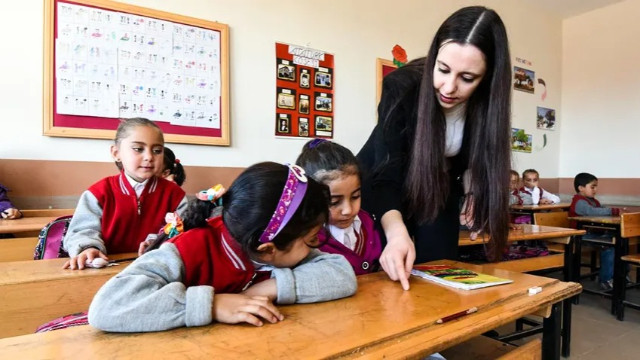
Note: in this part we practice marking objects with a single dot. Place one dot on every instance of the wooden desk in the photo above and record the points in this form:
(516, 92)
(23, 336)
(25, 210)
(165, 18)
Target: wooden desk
(530, 209)
(35, 223)
(36, 291)
(380, 321)
(625, 226)
(565, 260)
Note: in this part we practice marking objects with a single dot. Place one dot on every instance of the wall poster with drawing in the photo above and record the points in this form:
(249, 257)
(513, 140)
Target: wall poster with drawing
(105, 61)
(304, 92)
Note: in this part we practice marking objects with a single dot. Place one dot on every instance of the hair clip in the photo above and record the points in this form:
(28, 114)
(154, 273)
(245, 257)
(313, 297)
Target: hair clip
(211, 194)
(294, 189)
(174, 224)
(315, 142)
(177, 161)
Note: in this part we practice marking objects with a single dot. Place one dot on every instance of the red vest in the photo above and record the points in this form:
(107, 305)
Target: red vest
(126, 220)
(212, 257)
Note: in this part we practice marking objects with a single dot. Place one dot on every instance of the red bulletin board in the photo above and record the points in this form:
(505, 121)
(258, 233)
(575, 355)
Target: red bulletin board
(383, 67)
(98, 127)
(305, 83)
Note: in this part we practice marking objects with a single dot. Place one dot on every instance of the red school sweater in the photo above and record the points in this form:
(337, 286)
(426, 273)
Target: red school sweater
(126, 219)
(212, 257)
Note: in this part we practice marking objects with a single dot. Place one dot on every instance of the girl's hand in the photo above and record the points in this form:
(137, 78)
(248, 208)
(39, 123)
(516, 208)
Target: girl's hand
(11, 214)
(399, 254)
(78, 262)
(267, 288)
(545, 202)
(237, 308)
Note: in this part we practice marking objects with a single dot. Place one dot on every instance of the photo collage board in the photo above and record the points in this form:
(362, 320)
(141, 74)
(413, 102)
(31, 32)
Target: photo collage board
(304, 92)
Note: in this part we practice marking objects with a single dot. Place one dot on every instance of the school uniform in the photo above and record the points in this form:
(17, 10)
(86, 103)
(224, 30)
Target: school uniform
(174, 286)
(533, 196)
(116, 214)
(360, 243)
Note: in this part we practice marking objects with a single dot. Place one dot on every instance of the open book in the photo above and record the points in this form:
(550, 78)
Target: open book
(457, 277)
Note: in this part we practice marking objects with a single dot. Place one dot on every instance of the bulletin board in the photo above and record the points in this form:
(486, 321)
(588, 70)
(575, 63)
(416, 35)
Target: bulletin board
(104, 61)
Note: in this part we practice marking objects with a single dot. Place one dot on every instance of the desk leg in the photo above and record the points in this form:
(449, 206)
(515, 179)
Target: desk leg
(619, 273)
(551, 334)
(577, 262)
(566, 327)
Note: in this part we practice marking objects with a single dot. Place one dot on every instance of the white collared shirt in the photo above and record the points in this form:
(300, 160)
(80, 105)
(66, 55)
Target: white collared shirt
(455, 129)
(347, 237)
(137, 187)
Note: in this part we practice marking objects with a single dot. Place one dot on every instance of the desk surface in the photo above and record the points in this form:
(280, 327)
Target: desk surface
(17, 272)
(614, 220)
(27, 223)
(541, 207)
(525, 232)
(381, 320)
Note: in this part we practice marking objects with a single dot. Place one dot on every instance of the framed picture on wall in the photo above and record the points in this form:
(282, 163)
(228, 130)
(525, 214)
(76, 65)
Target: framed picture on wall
(383, 67)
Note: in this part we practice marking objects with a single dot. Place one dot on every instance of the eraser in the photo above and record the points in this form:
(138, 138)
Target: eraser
(535, 290)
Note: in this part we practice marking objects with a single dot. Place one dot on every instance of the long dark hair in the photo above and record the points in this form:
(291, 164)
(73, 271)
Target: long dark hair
(250, 201)
(487, 129)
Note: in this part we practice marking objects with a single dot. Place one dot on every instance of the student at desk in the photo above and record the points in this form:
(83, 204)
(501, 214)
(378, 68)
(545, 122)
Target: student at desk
(532, 194)
(584, 203)
(118, 212)
(7, 209)
(230, 268)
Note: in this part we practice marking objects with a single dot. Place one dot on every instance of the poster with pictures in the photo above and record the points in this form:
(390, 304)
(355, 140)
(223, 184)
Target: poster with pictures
(545, 118)
(304, 92)
(524, 79)
(520, 141)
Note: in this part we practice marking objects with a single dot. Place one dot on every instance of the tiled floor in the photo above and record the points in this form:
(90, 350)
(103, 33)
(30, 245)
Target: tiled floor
(596, 334)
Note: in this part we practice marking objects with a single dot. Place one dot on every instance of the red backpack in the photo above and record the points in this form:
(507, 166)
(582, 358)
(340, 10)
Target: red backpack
(50, 239)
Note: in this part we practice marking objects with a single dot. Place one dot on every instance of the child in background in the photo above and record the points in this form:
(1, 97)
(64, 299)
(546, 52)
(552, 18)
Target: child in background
(118, 212)
(584, 203)
(351, 231)
(172, 168)
(514, 194)
(531, 194)
(7, 209)
(230, 268)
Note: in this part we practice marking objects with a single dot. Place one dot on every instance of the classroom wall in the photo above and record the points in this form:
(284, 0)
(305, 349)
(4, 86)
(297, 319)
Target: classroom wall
(601, 92)
(356, 32)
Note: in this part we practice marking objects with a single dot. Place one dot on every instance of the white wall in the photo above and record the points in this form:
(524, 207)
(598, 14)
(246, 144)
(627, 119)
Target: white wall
(601, 92)
(356, 32)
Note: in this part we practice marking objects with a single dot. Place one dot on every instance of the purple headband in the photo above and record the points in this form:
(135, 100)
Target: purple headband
(292, 195)
(315, 142)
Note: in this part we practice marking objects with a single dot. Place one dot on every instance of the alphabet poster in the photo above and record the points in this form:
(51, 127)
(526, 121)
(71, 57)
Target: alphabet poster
(304, 92)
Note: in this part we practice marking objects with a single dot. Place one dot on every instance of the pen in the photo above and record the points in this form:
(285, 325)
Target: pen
(457, 315)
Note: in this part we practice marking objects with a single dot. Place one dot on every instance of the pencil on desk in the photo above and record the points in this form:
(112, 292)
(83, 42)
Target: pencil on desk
(457, 315)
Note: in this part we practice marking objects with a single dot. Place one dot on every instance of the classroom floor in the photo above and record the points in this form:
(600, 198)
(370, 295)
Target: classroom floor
(596, 334)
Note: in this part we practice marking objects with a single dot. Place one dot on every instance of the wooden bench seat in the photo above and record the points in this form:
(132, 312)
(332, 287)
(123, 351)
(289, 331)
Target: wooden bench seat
(482, 347)
(555, 260)
(17, 249)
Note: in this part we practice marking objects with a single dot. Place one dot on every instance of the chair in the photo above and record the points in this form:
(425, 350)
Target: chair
(554, 218)
(629, 228)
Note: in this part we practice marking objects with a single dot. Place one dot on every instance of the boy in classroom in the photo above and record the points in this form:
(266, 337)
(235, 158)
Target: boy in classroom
(117, 213)
(532, 194)
(584, 203)
(351, 231)
(231, 268)
(7, 209)
(172, 169)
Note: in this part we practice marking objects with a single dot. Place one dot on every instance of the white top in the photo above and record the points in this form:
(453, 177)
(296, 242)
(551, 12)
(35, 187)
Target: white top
(138, 187)
(347, 236)
(455, 129)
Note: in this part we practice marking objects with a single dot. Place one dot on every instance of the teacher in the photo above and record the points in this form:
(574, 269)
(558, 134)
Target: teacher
(442, 140)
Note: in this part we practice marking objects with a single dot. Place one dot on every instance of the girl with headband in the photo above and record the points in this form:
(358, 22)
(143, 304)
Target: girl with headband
(232, 268)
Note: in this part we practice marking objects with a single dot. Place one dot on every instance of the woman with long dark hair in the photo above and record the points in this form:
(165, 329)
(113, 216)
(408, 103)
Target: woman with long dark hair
(442, 139)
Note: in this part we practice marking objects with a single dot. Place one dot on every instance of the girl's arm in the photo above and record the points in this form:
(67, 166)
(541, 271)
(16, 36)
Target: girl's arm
(85, 230)
(319, 277)
(148, 295)
(555, 199)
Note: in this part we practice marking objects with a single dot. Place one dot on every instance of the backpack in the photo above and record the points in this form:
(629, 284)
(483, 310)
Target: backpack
(50, 239)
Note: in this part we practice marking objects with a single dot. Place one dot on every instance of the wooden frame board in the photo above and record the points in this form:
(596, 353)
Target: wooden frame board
(383, 67)
(173, 133)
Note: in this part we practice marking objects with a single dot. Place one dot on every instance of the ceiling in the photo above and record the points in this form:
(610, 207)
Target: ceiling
(568, 8)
